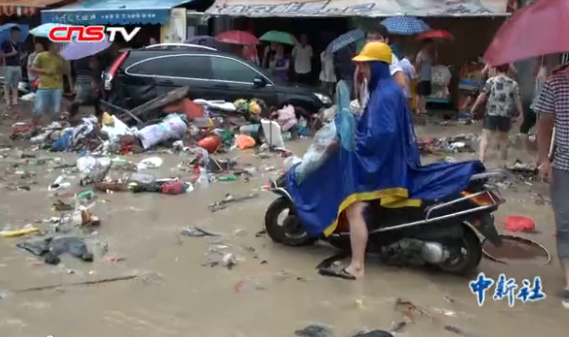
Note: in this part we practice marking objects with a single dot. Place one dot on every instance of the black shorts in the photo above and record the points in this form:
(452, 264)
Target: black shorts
(424, 88)
(497, 123)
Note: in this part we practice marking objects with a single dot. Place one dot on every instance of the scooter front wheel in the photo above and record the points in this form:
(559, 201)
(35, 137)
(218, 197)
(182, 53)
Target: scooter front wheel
(290, 231)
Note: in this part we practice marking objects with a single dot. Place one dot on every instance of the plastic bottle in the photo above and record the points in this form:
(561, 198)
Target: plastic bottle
(203, 179)
(229, 177)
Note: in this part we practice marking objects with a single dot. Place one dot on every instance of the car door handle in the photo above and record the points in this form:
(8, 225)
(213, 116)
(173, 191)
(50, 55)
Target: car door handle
(165, 82)
(221, 86)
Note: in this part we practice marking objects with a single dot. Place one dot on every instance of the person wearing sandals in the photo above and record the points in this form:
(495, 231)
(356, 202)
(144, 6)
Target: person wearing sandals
(503, 101)
(553, 108)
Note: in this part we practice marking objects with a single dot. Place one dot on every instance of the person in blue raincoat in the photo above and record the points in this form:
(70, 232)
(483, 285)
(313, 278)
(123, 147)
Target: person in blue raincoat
(381, 165)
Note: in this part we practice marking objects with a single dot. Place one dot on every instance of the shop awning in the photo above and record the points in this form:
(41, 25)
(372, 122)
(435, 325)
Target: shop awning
(364, 8)
(23, 7)
(113, 12)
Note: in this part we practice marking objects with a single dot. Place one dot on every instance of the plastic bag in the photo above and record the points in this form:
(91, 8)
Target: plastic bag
(341, 130)
(244, 142)
(318, 151)
(345, 120)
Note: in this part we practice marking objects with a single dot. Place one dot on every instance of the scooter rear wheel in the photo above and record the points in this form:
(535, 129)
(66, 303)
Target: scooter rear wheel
(469, 251)
(290, 232)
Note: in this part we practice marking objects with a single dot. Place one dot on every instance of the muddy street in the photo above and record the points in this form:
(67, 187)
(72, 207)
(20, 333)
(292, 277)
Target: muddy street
(150, 279)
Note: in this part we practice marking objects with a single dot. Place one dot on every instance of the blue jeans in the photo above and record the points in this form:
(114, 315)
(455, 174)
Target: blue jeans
(48, 101)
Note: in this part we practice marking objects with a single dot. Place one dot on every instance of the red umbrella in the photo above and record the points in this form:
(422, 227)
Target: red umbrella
(237, 37)
(535, 30)
(436, 35)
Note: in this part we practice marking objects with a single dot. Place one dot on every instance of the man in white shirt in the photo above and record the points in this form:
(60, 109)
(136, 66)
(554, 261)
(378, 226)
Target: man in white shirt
(302, 55)
(380, 35)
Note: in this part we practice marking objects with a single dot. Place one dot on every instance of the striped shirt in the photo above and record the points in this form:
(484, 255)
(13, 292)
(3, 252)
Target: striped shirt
(554, 99)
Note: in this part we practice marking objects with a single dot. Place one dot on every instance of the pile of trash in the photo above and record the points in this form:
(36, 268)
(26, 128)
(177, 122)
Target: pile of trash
(215, 126)
(463, 143)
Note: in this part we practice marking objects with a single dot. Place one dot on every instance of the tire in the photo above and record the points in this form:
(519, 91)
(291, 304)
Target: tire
(468, 263)
(290, 233)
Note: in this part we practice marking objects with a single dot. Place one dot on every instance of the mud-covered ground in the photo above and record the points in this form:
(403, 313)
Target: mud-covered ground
(273, 290)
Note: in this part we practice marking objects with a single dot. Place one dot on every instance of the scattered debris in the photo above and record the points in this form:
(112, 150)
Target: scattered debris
(458, 331)
(374, 333)
(84, 283)
(196, 232)
(51, 248)
(314, 330)
(229, 198)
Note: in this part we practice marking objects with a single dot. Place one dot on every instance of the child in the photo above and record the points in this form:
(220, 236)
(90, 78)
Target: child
(503, 94)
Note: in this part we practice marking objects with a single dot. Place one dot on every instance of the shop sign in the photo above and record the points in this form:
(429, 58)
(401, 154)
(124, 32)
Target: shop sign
(64, 34)
(373, 8)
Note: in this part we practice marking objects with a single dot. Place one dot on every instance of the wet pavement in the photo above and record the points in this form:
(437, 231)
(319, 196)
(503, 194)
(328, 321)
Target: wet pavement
(150, 280)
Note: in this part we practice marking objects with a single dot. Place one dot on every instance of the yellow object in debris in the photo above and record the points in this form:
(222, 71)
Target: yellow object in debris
(254, 108)
(108, 119)
(18, 232)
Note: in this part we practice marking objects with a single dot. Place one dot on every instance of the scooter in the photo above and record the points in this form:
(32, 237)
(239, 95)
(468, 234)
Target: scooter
(446, 234)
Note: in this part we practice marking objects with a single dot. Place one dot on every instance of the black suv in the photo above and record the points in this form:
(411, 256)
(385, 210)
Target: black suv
(140, 75)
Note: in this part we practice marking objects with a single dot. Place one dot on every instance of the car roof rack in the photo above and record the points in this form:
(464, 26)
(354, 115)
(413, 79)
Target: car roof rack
(171, 46)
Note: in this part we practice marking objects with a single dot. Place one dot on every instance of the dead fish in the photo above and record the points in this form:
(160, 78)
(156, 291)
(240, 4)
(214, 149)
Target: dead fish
(229, 260)
(314, 330)
(458, 331)
(196, 232)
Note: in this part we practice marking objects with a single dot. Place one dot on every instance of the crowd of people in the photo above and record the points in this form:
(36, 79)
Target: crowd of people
(298, 64)
(50, 76)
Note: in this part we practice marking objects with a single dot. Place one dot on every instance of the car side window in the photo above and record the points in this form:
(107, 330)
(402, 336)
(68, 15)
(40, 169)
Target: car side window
(155, 66)
(194, 66)
(226, 69)
(189, 66)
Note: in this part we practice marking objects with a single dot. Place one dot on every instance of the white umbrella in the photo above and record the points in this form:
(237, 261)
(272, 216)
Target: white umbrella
(43, 30)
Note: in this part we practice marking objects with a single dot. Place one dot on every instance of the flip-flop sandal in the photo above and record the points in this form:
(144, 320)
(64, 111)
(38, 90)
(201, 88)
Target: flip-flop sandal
(342, 273)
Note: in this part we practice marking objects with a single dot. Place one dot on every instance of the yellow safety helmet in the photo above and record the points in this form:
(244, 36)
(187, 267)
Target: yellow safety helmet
(374, 51)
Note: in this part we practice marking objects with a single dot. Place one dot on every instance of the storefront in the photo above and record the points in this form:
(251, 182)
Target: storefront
(160, 18)
(25, 11)
(460, 17)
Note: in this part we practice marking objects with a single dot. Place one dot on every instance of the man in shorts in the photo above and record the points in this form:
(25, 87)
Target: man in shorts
(13, 53)
(503, 99)
(553, 108)
(50, 67)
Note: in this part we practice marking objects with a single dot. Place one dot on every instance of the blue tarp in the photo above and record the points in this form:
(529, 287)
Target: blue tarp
(113, 12)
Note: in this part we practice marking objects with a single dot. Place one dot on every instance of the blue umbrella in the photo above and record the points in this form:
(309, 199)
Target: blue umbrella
(345, 40)
(405, 25)
(43, 30)
(5, 31)
(78, 50)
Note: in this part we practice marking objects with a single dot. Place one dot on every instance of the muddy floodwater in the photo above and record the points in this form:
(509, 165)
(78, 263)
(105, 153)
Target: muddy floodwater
(174, 289)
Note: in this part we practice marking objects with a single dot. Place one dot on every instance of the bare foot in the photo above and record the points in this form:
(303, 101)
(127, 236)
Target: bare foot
(358, 273)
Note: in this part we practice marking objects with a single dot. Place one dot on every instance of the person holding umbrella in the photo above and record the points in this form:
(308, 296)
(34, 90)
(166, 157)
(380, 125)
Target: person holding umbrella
(280, 63)
(553, 108)
(50, 67)
(13, 53)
